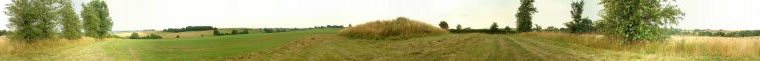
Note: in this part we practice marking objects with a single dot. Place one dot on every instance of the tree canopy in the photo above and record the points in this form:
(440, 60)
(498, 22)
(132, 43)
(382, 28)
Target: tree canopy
(524, 15)
(637, 20)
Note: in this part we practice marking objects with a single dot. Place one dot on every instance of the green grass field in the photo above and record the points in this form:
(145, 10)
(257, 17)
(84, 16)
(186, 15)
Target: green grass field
(188, 49)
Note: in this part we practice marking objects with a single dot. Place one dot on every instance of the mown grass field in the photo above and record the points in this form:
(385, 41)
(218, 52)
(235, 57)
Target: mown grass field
(533, 46)
(326, 45)
(188, 49)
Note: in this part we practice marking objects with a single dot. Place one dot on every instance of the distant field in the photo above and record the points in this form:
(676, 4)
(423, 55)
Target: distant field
(172, 35)
(188, 49)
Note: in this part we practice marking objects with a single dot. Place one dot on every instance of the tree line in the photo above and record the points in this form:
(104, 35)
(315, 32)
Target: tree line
(150, 36)
(36, 20)
(233, 32)
(189, 28)
(627, 20)
(721, 33)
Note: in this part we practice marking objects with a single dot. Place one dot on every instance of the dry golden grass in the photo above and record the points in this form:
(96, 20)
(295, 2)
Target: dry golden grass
(729, 47)
(400, 28)
(50, 50)
(677, 48)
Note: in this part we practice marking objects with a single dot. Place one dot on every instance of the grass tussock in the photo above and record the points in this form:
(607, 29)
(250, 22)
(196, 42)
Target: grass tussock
(401, 28)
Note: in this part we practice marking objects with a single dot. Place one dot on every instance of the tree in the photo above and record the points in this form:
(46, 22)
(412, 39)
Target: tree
(552, 28)
(153, 36)
(579, 25)
(245, 31)
(349, 25)
(234, 32)
(637, 20)
(459, 27)
(97, 22)
(538, 28)
(524, 17)
(217, 33)
(507, 29)
(134, 36)
(494, 28)
(3, 32)
(31, 20)
(444, 25)
(70, 21)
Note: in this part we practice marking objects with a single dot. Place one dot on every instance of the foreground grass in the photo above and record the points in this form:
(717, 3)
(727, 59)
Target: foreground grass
(456, 47)
(540, 46)
(86, 49)
(205, 48)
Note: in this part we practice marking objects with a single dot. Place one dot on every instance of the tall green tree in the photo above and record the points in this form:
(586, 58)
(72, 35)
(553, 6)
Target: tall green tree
(32, 20)
(444, 25)
(97, 22)
(70, 21)
(579, 25)
(524, 15)
(494, 28)
(217, 33)
(459, 27)
(537, 28)
(638, 20)
(507, 29)
(134, 36)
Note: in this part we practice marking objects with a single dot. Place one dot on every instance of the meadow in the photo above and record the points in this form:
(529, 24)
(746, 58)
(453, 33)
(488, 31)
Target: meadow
(327, 45)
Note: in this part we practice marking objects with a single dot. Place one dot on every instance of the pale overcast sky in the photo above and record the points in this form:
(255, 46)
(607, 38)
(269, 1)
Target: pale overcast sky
(160, 14)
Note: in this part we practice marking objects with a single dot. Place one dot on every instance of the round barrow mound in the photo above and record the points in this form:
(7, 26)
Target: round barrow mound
(401, 28)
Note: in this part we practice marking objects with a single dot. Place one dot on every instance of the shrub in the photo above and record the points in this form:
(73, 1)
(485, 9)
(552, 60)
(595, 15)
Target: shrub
(401, 28)
(217, 33)
(134, 36)
(245, 31)
(267, 30)
(153, 36)
(234, 32)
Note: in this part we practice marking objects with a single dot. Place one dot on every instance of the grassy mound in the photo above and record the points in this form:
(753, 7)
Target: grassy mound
(401, 28)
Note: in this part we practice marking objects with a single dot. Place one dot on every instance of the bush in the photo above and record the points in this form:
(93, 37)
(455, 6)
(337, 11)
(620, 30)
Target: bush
(134, 36)
(234, 32)
(152, 36)
(401, 28)
(217, 33)
(245, 31)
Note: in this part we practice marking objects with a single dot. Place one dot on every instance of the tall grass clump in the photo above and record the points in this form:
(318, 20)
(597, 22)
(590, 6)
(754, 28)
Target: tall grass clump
(401, 28)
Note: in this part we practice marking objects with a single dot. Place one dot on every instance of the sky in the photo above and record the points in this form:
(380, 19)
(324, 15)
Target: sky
(161, 14)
